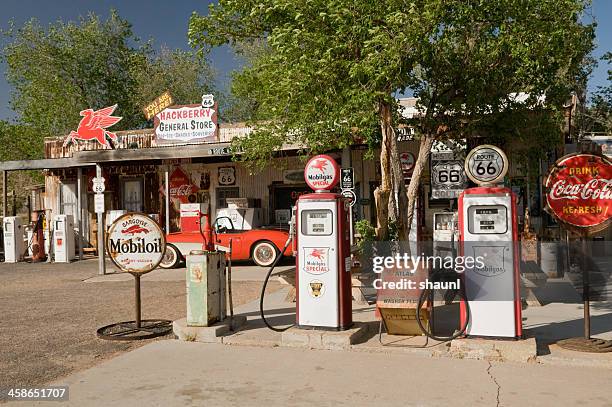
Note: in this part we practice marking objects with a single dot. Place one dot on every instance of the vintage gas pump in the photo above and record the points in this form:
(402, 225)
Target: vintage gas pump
(63, 238)
(323, 259)
(13, 239)
(488, 233)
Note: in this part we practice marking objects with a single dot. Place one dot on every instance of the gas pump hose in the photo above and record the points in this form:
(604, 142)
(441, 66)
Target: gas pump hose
(263, 290)
(426, 294)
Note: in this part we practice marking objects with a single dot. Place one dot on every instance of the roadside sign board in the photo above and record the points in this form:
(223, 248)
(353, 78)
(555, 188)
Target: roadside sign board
(99, 203)
(98, 185)
(135, 243)
(347, 178)
(447, 179)
(486, 165)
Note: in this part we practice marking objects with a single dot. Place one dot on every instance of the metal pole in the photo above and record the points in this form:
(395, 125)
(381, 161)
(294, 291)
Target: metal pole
(101, 261)
(586, 289)
(79, 219)
(4, 192)
(167, 185)
(137, 297)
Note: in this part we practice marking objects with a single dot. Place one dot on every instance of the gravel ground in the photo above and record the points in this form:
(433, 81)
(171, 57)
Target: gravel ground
(50, 316)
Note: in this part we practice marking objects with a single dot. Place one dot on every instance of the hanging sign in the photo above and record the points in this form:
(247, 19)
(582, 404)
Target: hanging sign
(160, 103)
(321, 173)
(186, 124)
(579, 192)
(135, 243)
(486, 165)
(93, 126)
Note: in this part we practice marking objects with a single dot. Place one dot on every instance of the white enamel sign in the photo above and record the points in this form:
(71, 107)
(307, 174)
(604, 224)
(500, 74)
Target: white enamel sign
(486, 165)
(135, 243)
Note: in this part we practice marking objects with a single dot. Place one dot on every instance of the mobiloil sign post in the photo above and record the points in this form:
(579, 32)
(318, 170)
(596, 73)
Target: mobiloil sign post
(488, 230)
(579, 195)
(323, 259)
(136, 245)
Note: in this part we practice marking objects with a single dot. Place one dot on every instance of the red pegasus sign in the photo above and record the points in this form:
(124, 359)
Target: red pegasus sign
(579, 191)
(93, 125)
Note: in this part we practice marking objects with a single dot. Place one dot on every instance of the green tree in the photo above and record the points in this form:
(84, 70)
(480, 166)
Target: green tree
(597, 117)
(333, 67)
(59, 70)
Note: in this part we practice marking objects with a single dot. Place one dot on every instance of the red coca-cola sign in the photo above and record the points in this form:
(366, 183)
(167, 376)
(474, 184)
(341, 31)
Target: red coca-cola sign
(181, 186)
(579, 191)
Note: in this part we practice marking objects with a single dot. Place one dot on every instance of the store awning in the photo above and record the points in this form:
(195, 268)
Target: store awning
(157, 153)
(44, 164)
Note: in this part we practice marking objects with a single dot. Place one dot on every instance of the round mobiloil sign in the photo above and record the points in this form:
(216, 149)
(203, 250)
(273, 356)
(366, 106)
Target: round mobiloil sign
(135, 243)
(321, 173)
(486, 165)
(579, 191)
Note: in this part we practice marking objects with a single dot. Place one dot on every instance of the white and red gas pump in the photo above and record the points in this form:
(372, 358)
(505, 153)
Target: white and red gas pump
(323, 258)
(488, 233)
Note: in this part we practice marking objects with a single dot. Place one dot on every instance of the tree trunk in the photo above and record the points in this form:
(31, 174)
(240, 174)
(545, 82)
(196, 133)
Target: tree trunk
(391, 200)
(413, 188)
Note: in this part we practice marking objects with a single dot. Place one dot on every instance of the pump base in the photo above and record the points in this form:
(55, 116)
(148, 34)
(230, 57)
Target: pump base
(300, 337)
(325, 328)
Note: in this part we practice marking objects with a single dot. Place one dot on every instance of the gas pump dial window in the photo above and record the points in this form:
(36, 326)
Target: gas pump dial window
(487, 219)
(317, 222)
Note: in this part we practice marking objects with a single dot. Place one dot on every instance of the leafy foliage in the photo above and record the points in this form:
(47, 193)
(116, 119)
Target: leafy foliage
(332, 67)
(59, 70)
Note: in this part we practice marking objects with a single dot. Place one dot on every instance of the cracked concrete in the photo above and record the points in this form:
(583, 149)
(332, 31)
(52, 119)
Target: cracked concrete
(494, 381)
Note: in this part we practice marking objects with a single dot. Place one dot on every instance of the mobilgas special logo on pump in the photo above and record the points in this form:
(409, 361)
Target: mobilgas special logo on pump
(135, 243)
(316, 260)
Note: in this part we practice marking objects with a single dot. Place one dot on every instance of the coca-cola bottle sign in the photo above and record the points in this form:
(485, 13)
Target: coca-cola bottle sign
(579, 191)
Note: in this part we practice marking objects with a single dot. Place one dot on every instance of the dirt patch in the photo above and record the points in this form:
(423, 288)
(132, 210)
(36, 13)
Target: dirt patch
(50, 317)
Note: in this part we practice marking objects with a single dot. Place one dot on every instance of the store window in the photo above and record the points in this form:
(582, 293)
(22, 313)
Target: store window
(132, 195)
(222, 193)
(68, 199)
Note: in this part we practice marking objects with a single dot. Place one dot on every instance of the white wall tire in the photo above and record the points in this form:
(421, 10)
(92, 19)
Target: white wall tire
(172, 257)
(264, 253)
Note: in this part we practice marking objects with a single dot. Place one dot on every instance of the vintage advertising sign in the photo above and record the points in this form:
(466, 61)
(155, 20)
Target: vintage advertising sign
(316, 260)
(349, 194)
(93, 126)
(160, 103)
(579, 192)
(181, 186)
(321, 173)
(486, 165)
(186, 124)
(135, 243)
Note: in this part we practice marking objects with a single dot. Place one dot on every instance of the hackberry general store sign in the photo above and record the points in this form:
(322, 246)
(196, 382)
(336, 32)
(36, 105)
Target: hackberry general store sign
(135, 243)
(579, 191)
(186, 124)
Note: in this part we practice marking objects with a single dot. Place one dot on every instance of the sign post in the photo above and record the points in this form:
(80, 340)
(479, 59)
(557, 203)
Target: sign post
(136, 245)
(100, 213)
(579, 196)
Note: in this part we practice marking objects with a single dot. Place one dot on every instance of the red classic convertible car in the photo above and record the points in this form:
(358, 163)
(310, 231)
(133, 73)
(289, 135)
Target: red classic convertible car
(262, 246)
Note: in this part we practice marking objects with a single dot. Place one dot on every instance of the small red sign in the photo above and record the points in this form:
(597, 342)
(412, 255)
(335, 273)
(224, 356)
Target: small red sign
(579, 191)
(321, 173)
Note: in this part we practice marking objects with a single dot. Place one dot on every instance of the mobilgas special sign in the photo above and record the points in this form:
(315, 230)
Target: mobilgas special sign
(135, 243)
(186, 124)
(321, 173)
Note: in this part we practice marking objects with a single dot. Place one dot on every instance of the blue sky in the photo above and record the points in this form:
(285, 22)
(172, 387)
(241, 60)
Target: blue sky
(166, 22)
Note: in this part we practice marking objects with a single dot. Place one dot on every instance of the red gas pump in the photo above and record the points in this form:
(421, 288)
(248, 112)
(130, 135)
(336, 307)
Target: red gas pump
(323, 258)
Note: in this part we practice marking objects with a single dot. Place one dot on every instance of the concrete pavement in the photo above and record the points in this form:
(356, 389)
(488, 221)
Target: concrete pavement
(175, 373)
